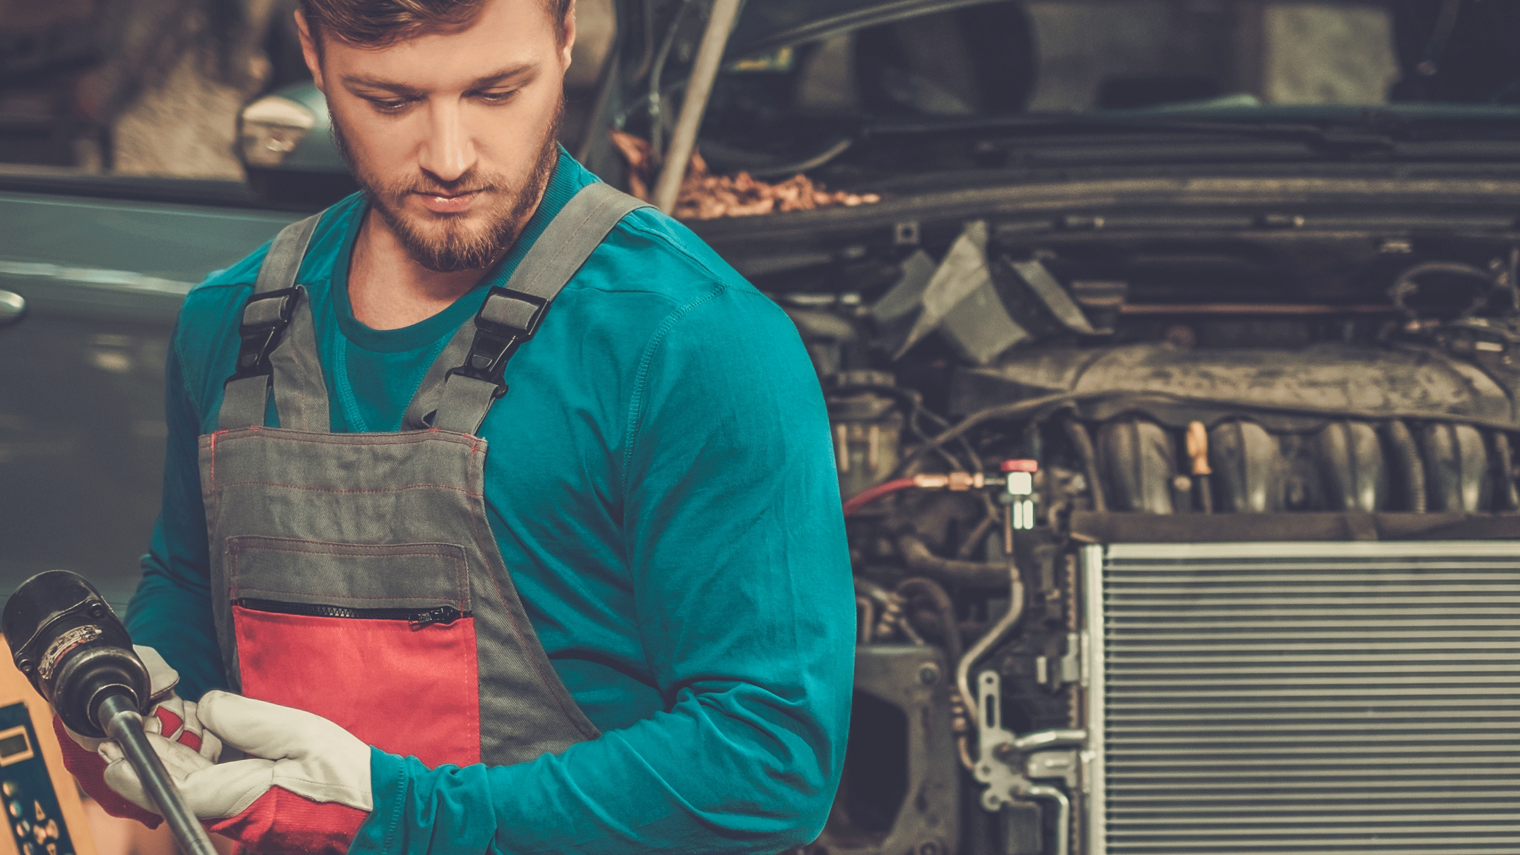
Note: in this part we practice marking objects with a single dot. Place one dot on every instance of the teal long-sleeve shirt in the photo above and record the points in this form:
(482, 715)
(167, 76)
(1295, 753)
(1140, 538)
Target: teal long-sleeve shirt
(660, 483)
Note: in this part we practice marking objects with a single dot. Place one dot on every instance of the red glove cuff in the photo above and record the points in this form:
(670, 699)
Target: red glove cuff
(281, 821)
(89, 770)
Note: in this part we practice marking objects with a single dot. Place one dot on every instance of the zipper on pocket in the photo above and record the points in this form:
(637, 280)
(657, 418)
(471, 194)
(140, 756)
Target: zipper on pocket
(415, 617)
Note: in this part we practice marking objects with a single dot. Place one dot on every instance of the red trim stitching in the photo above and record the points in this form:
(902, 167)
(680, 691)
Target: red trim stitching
(302, 487)
(461, 573)
(411, 553)
(368, 439)
(239, 590)
(472, 685)
(522, 640)
(289, 544)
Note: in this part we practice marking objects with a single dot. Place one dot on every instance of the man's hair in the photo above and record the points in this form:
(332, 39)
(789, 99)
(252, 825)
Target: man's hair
(377, 23)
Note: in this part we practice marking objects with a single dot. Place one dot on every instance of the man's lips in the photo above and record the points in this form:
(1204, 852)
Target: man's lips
(447, 203)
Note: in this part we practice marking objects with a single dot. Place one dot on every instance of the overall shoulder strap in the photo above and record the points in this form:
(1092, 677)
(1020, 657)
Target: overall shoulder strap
(466, 379)
(276, 311)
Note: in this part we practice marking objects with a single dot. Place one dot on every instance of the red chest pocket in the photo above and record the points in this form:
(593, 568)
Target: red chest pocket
(377, 638)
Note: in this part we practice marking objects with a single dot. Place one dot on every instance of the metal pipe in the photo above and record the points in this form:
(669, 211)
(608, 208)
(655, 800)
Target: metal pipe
(991, 637)
(1049, 739)
(1412, 466)
(963, 750)
(698, 87)
(121, 721)
(1063, 819)
(1508, 496)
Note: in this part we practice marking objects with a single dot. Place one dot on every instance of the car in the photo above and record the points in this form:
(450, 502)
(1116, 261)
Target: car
(1170, 354)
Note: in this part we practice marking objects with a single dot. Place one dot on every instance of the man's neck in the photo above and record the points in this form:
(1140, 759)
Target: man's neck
(388, 289)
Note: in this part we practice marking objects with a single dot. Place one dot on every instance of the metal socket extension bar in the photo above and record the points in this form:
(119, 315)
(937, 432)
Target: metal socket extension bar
(1063, 813)
(121, 721)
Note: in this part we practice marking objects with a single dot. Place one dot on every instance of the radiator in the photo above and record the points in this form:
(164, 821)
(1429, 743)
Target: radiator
(1334, 698)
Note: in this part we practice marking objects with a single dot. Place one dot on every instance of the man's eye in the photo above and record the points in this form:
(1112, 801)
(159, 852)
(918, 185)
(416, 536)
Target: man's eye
(497, 97)
(388, 106)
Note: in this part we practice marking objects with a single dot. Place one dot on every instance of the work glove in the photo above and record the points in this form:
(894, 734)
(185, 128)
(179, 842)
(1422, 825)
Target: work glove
(303, 787)
(170, 717)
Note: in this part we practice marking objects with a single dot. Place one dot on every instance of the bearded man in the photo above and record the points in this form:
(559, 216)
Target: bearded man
(499, 512)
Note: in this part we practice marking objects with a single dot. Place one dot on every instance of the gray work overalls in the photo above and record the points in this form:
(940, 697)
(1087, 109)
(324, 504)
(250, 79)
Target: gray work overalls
(355, 575)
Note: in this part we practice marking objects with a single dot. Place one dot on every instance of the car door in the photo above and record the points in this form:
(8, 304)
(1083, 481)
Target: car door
(89, 291)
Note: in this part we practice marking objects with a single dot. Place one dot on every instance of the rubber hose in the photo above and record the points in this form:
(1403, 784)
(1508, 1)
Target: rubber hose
(975, 574)
(930, 590)
(1408, 455)
(1082, 440)
(866, 497)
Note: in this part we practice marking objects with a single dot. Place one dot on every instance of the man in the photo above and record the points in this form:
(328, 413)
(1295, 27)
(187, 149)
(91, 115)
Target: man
(500, 577)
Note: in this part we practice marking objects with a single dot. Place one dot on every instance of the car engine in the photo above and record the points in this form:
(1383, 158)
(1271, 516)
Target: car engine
(1176, 538)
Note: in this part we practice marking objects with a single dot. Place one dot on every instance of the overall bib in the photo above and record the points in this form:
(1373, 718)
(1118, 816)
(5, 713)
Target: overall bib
(355, 575)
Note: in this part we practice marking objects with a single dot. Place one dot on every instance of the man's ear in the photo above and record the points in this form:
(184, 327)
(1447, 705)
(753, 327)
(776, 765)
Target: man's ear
(569, 30)
(309, 51)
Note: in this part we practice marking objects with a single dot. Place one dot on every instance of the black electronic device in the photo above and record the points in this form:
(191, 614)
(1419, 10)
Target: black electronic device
(69, 643)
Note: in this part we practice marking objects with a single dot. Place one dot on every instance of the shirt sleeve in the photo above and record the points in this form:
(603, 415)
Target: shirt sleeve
(741, 575)
(171, 609)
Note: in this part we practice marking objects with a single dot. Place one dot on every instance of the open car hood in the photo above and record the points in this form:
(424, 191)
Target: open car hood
(768, 24)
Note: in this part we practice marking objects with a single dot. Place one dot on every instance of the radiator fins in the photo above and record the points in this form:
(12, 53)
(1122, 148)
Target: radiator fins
(1255, 699)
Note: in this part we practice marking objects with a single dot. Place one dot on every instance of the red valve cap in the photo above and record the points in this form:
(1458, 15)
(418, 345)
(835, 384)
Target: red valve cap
(1021, 466)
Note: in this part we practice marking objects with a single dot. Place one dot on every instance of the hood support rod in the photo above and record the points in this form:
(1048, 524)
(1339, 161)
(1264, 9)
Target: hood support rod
(698, 87)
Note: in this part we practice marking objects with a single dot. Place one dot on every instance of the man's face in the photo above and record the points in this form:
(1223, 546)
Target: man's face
(451, 134)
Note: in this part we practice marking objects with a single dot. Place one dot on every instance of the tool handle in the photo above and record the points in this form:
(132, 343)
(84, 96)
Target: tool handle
(122, 723)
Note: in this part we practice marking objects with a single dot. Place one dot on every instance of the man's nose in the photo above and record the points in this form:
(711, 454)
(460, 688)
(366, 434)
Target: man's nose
(447, 152)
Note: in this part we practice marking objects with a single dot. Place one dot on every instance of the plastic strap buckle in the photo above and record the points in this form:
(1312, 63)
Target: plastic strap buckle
(261, 328)
(504, 322)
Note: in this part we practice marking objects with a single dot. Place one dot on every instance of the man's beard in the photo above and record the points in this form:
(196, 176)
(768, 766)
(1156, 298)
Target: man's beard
(447, 244)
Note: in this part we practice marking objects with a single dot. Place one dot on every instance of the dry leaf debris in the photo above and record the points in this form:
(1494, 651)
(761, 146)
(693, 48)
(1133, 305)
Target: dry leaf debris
(704, 196)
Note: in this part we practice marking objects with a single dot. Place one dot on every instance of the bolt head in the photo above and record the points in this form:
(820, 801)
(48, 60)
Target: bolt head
(928, 847)
(928, 674)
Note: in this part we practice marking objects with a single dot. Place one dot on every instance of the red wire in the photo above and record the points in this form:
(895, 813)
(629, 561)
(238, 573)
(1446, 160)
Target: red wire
(865, 497)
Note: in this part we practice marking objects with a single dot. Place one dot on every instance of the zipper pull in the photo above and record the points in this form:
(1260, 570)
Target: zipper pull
(442, 614)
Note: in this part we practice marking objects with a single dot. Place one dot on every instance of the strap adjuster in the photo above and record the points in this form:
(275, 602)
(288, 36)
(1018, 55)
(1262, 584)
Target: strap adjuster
(504, 322)
(265, 317)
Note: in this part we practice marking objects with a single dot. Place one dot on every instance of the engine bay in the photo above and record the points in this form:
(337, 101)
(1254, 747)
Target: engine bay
(1023, 404)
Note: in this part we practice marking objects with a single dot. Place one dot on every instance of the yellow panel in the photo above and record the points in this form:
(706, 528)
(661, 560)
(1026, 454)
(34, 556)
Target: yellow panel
(14, 687)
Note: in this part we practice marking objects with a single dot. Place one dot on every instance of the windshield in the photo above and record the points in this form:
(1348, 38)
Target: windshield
(1091, 57)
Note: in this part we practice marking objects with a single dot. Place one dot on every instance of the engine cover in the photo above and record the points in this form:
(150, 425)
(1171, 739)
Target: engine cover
(1334, 379)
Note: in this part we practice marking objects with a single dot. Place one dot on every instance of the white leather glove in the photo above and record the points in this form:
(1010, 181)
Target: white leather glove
(304, 786)
(170, 717)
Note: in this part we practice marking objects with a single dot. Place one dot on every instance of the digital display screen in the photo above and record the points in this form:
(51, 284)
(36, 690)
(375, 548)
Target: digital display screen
(14, 744)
